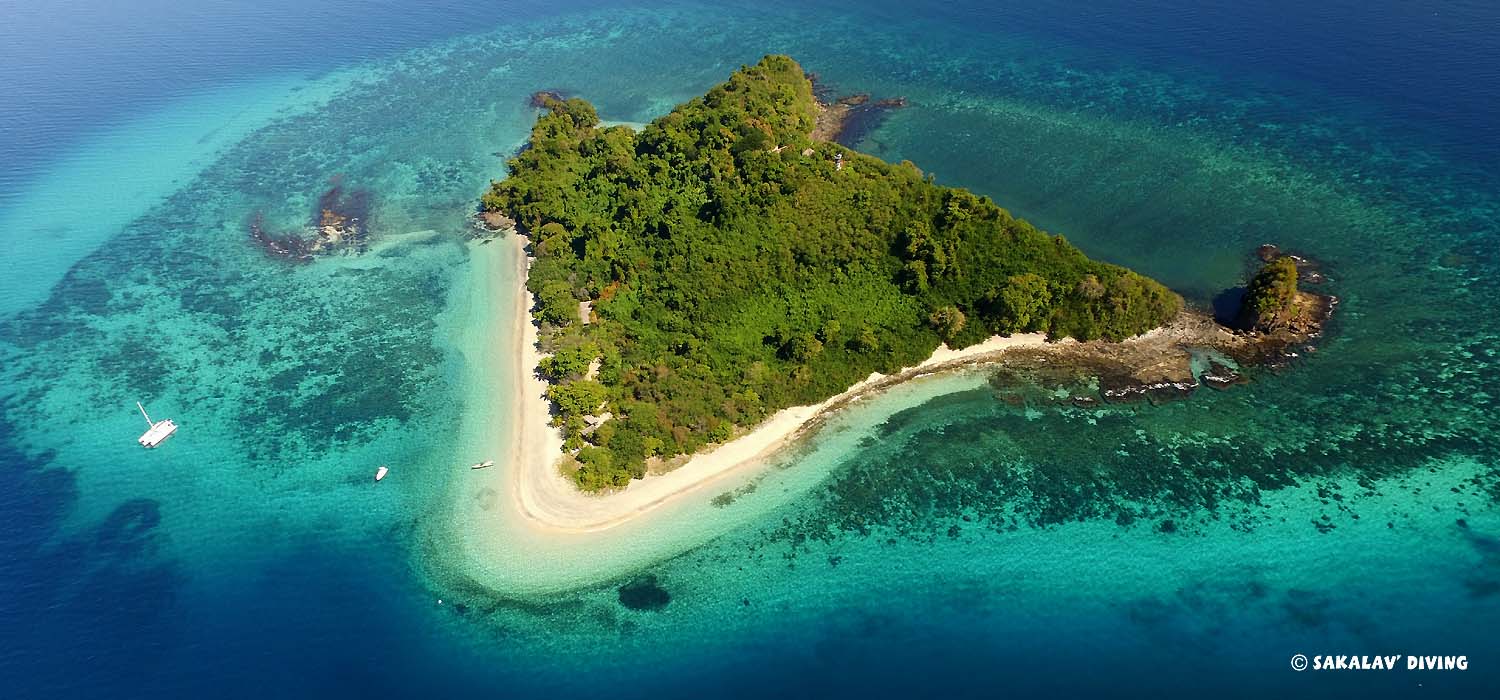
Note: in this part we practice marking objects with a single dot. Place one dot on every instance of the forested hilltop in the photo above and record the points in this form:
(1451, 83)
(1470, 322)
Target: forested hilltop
(735, 267)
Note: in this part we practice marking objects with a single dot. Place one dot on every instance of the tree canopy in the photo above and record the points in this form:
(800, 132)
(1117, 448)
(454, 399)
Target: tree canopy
(735, 269)
(1270, 298)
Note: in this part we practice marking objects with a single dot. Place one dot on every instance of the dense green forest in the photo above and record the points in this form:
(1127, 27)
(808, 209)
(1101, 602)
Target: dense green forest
(734, 269)
(1271, 296)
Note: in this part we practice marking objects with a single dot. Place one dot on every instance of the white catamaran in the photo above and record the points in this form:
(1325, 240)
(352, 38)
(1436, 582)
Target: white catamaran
(155, 433)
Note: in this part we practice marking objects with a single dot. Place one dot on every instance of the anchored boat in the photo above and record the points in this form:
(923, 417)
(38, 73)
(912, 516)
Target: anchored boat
(483, 465)
(155, 432)
(381, 472)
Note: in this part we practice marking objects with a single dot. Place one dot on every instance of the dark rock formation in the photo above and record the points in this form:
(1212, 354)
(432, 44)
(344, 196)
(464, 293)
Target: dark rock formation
(541, 99)
(342, 218)
(494, 222)
(1154, 392)
(849, 119)
(1221, 376)
(290, 247)
(340, 224)
(644, 593)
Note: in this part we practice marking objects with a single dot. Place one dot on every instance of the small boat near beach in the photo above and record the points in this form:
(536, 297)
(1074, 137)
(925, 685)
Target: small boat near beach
(483, 465)
(381, 472)
(156, 432)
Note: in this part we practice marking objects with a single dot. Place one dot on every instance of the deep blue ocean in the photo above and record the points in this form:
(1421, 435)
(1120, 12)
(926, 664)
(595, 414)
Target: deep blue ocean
(969, 536)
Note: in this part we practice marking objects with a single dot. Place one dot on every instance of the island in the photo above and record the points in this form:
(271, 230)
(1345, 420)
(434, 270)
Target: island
(721, 265)
(702, 289)
(1273, 302)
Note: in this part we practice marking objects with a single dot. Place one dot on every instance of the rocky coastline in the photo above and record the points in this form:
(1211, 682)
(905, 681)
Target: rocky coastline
(847, 120)
(1197, 349)
(1215, 348)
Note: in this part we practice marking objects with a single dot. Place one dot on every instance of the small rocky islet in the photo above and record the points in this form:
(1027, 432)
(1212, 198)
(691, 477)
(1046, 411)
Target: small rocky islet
(1217, 349)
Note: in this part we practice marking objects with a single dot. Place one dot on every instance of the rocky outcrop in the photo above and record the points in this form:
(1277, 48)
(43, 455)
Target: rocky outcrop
(542, 99)
(340, 224)
(493, 222)
(1274, 303)
(1309, 271)
(1221, 376)
(1159, 367)
(847, 120)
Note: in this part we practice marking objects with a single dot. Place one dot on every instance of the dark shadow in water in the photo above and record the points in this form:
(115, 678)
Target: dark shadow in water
(644, 593)
(80, 605)
(1484, 581)
(1226, 305)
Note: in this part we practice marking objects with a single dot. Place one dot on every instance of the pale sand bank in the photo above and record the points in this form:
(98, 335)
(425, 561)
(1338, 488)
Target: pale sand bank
(546, 500)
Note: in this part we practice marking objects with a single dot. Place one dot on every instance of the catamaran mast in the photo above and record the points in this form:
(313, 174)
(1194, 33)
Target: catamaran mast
(155, 432)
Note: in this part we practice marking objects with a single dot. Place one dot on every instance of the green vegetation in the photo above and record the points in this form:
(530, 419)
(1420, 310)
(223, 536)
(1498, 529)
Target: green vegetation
(1270, 299)
(735, 271)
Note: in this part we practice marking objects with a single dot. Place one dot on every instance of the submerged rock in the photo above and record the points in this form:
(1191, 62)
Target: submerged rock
(290, 247)
(1131, 393)
(1154, 392)
(541, 99)
(644, 593)
(1221, 376)
(340, 224)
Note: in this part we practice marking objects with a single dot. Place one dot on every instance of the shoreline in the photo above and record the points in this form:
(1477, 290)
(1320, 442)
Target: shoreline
(1155, 366)
(546, 500)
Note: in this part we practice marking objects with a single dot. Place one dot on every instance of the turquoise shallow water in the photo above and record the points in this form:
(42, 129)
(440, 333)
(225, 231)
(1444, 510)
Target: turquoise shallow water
(947, 539)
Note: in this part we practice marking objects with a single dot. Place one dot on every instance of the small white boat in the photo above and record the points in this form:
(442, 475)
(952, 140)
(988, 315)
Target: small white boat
(156, 432)
(381, 472)
(483, 465)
